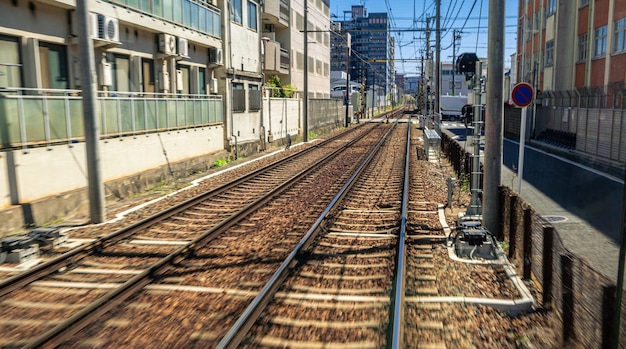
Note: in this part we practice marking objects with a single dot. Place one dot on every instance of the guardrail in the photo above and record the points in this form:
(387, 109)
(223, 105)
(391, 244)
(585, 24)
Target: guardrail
(36, 117)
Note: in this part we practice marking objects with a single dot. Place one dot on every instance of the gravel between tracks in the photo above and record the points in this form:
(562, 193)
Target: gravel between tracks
(481, 327)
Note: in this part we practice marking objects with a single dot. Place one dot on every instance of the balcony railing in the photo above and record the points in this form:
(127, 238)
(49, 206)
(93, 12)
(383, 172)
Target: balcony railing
(284, 59)
(42, 117)
(197, 15)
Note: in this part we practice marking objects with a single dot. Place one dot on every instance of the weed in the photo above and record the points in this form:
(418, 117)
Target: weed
(219, 163)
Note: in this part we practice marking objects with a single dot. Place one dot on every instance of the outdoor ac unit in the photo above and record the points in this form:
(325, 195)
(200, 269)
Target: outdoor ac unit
(183, 47)
(213, 86)
(108, 28)
(179, 80)
(92, 25)
(215, 55)
(167, 44)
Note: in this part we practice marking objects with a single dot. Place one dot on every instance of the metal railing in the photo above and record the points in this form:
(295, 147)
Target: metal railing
(36, 117)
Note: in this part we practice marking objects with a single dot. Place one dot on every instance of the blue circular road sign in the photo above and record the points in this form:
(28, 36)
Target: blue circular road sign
(522, 94)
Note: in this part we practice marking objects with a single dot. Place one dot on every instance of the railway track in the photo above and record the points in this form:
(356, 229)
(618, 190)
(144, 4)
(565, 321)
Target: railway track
(193, 253)
(339, 291)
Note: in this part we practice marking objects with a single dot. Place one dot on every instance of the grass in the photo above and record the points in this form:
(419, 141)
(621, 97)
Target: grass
(219, 163)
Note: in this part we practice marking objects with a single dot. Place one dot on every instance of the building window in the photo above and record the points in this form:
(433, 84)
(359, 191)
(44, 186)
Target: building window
(600, 42)
(537, 20)
(583, 3)
(620, 36)
(252, 17)
(120, 64)
(551, 7)
(10, 64)
(582, 47)
(202, 81)
(254, 94)
(53, 61)
(235, 11)
(147, 73)
(239, 97)
(549, 53)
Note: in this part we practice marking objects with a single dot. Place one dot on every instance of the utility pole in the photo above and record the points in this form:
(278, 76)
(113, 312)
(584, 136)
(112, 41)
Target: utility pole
(95, 184)
(456, 34)
(305, 122)
(348, 38)
(427, 82)
(494, 115)
(437, 69)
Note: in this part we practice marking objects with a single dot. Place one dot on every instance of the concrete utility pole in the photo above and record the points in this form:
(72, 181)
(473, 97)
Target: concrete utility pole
(494, 115)
(456, 34)
(427, 80)
(305, 119)
(95, 184)
(437, 69)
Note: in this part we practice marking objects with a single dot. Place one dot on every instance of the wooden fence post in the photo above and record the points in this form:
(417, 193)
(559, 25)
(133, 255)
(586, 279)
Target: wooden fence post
(548, 253)
(567, 289)
(609, 299)
(512, 225)
(528, 243)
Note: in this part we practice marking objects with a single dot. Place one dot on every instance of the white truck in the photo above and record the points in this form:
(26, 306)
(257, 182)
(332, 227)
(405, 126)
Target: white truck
(450, 107)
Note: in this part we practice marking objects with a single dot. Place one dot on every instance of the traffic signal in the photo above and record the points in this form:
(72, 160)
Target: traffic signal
(466, 63)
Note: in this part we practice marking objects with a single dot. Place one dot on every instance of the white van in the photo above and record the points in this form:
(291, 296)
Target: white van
(450, 107)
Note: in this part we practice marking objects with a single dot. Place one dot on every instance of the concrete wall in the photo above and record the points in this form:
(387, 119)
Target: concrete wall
(51, 182)
(281, 116)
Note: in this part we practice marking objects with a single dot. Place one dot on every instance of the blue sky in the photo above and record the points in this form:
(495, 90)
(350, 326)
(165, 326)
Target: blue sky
(470, 16)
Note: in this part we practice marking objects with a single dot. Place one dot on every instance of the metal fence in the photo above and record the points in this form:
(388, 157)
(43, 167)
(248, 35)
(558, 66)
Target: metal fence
(584, 298)
(599, 132)
(35, 117)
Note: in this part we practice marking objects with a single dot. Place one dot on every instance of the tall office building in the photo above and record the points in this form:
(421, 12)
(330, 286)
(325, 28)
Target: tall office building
(371, 59)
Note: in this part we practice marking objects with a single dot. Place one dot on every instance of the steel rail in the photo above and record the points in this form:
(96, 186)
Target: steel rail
(239, 330)
(68, 258)
(64, 330)
(397, 340)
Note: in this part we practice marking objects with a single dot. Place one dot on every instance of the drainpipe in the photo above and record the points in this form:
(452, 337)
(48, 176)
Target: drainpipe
(229, 82)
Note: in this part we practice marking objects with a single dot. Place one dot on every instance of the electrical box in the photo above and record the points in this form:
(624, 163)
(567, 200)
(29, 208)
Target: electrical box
(179, 80)
(164, 81)
(213, 86)
(106, 74)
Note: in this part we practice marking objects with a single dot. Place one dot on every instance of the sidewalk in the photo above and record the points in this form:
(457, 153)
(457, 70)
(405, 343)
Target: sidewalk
(579, 237)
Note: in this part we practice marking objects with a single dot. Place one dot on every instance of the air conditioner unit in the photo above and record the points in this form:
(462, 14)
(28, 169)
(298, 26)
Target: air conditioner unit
(92, 25)
(213, 86)
(108, 28)
(183, 47)
(179, 80)
(167, 44)
(215, 56)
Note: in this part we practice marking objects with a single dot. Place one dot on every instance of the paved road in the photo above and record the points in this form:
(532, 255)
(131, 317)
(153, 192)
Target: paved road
(589, 201)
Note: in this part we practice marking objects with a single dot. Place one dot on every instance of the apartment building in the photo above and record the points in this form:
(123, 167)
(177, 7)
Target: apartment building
(284, 44)
(573, 50)
(371, 59)
(205, 52)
